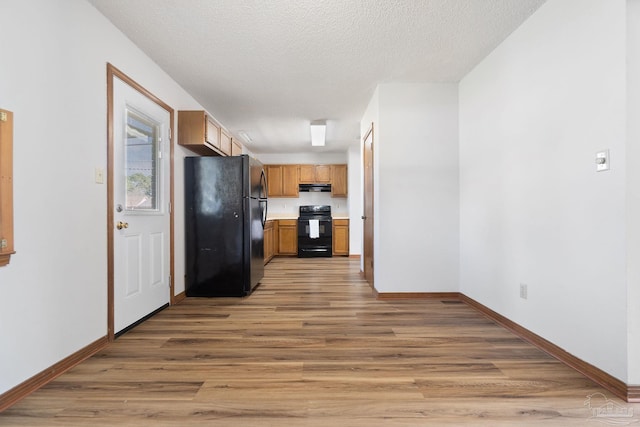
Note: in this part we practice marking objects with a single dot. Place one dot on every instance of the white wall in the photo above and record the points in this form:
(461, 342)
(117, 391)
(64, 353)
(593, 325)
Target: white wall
(53, 77)
(633, 189)
(416, 188)
(533, 209)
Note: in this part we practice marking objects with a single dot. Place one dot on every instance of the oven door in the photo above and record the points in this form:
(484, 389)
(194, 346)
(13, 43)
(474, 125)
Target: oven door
(320, 246)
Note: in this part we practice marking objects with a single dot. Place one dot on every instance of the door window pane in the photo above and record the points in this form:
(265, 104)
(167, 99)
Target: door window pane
(141, 162)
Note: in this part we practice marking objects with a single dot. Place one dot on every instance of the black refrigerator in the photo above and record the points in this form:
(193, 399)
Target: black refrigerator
(225, 212)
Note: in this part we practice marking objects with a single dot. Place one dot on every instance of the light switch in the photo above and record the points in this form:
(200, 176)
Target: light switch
(99, 175)
(602, 161)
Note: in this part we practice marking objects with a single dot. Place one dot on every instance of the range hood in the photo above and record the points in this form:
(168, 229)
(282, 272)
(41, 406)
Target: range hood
(323, 188)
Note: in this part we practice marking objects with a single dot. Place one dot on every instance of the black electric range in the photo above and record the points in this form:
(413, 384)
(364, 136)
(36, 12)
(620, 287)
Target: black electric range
(314, 231)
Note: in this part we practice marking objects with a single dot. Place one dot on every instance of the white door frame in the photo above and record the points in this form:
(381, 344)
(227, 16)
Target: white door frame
(112, 73)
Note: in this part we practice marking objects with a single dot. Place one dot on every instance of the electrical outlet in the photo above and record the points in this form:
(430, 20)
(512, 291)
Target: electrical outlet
(602, 161)
(523, 290)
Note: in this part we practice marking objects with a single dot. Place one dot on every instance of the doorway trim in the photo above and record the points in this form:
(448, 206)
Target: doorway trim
(113, 72)
(368, 231)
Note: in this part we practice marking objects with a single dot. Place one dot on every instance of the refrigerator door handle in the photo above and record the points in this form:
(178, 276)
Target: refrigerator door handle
(264, 212)
(264, 190)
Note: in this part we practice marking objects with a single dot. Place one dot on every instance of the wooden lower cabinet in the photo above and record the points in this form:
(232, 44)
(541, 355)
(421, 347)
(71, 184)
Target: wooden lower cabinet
(269, 241)
(340, 232)
(287, 237)
(281, 238)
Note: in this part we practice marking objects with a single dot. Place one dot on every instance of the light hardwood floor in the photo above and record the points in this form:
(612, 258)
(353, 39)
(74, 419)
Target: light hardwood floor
(313, 347)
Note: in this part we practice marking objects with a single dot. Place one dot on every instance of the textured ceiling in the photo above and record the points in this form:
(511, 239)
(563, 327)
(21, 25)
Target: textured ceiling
(269, 67)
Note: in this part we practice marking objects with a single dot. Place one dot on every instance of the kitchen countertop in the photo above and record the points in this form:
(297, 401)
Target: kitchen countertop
(276, 217)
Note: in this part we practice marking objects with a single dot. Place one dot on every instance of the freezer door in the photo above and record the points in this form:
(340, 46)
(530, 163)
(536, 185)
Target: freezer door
(214, 227)
(258, 186)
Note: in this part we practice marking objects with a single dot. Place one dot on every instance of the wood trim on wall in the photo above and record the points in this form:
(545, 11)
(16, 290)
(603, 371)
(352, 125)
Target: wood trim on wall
(179, 298)
(110, 278)
(32, 384)
(368, 207)
(614, 385)
(418, 295)
(629, 393)
(6, 186)
(113, 72)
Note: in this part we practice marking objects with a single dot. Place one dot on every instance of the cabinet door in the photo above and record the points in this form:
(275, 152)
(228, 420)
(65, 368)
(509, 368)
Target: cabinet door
(268, 241)
(290, 181)
(236, 147)
(339, 180)
(274, 180)
(323, 173)
(225, 142)
(192, 130)
(200, 133)
(340, 237)
(307, 174)
(288, 237)
(212, 135)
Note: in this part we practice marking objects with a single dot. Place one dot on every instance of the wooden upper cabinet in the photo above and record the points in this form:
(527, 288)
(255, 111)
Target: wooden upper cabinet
(307, 174)
(236, 147)
(323, 173)
(282, 180)
(290, 181)
(312, 174)
(212, 134)
(339, 181)
(274, 180)
(6, 186)
(200, 133)
(225, 142)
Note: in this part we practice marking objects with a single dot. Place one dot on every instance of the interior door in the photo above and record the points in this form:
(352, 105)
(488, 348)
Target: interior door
(141, 219)
(367, 217)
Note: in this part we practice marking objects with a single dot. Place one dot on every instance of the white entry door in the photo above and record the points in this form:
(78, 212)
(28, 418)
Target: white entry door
(141, 205)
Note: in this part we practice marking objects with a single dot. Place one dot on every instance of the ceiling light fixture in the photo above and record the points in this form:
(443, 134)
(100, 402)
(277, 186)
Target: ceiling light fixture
(244, 135)
(318, 133)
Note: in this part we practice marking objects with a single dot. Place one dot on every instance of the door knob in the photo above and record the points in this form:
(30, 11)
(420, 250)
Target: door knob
(363, 217)
(120, 225)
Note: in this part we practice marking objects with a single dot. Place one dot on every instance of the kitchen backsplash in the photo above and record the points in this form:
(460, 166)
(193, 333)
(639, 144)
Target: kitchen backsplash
(280, 206)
